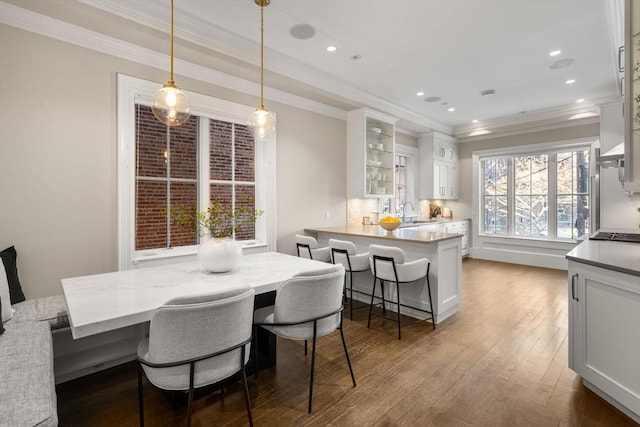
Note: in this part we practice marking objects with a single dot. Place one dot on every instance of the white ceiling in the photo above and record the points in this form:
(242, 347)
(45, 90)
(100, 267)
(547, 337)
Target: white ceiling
(453, 49)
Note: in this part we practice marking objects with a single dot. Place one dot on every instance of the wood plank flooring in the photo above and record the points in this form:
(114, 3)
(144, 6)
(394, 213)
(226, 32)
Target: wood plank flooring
(502, 361)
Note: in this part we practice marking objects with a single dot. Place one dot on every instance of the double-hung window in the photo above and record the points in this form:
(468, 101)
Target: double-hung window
(211, 157)
(542, 194)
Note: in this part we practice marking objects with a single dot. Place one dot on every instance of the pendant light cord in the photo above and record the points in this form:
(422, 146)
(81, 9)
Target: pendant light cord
(171, 49)
(261, 57)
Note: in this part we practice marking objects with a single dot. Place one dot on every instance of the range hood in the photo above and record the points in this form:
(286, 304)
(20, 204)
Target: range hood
(613, 158)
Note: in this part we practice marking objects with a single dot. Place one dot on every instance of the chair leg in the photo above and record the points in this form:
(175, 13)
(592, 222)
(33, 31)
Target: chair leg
(140, 397)
(375, 279)
(398, 295)
(190, 402)
(346, 353)
(350, 294)
(433, 316)
(384, 303)
(255, 351)
(313, 362)
(245, 388)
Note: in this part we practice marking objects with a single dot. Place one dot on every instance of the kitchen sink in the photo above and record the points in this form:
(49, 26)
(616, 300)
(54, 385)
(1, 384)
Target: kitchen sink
(617, 237)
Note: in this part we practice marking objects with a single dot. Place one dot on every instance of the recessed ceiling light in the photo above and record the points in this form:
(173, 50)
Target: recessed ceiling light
(555, 52)
(580, 100)
(474, 121)
(561, 63)
(420, 93)
(432, 99)
(570, 81)
(356, 57)
(331, 48)
(451, 110)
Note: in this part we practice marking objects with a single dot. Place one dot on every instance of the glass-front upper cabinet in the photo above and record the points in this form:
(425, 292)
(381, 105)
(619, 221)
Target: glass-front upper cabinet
(370, 154)
(631, 171)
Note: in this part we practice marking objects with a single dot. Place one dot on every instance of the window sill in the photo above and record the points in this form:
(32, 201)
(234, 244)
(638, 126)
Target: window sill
(531, 241)
(185, 251)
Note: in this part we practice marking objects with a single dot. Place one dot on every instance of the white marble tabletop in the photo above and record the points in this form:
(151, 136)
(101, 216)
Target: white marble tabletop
(104, 302)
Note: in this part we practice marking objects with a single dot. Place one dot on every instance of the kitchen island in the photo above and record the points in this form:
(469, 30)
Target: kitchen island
(444, 251)
(604, 317)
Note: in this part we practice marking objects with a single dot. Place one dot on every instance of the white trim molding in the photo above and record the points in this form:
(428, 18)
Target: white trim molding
(131, 90)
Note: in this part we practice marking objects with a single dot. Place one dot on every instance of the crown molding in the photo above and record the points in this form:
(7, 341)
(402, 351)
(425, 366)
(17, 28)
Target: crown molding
(53, 28)
(202, 33)
(536, 121)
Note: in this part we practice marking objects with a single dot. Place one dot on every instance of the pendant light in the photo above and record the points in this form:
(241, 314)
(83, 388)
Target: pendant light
(170, 105)
(262, 121)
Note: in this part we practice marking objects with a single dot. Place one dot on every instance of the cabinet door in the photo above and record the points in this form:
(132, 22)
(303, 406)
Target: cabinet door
(443, 180)
(604, 308)
(452, 181)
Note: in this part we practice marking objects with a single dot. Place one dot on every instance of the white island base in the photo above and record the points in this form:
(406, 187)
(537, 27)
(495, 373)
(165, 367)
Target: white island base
(443, 250)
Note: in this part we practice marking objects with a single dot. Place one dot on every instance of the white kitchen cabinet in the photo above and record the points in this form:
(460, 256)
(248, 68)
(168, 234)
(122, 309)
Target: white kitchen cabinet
(370, 154)
(604, 340)
(457, 227)
(631, 168)
(438, 166)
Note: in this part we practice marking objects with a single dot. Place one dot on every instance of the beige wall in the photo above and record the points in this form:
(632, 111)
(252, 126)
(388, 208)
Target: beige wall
(58, 159)
(462, 208)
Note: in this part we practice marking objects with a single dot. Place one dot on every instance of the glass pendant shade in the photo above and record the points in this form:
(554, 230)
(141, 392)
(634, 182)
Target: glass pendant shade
(170, 105)
(263, 123)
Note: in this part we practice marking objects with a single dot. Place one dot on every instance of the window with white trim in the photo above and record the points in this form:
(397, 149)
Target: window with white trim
(541, 195)
(212, 156)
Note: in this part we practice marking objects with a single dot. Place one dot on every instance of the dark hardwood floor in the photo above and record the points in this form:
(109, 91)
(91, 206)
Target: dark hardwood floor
(502, 361)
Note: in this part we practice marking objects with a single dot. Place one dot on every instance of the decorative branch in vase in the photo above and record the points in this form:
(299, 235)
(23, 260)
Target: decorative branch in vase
(220, 253)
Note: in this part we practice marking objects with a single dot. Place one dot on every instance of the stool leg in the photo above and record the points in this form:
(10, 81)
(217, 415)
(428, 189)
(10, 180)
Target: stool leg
(350, 294)
(384, 304)
(375, 279)
(398, 294)
(433, 317)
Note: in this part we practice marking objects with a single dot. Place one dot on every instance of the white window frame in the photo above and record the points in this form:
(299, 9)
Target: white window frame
(411, 153)
(532, 149)
(132, 90)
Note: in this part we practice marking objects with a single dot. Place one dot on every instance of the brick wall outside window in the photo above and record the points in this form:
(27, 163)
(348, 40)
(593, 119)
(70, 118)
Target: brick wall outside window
(170, 177)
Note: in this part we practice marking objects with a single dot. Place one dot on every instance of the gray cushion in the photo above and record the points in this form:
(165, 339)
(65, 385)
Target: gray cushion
(25, 311)
(27, 395)
(190, 327)
(305, 297)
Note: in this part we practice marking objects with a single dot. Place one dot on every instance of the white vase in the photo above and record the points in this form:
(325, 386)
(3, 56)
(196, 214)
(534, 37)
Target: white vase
(219, 255)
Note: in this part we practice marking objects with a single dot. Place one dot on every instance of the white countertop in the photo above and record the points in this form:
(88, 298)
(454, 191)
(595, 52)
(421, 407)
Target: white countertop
(617, 256)
(375, 231)
(109, 301)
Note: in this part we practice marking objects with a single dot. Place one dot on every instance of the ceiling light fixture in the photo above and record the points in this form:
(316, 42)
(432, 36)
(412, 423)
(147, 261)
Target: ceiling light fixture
(262, 121)
(561, 63)
(474, 121)
(170, 105)
(451, 110)
(555, 52)
(580, 100)
(331, 48)
(420, 93)
(570, 81)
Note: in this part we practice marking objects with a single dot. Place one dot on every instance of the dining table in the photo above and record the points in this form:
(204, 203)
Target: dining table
(104, 302)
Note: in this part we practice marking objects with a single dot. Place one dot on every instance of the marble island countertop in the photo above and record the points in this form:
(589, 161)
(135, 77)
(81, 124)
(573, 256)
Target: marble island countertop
(375, 231)
(431, 222)
(617, 256)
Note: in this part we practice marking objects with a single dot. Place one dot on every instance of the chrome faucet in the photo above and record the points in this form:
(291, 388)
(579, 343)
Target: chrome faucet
(404, 209)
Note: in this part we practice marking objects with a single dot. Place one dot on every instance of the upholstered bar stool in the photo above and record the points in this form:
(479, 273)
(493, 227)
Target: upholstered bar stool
(311, 249)
(388, 265)
(344, 252)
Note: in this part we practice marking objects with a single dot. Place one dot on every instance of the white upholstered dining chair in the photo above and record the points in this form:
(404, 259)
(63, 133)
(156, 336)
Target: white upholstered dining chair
(195, 341)
(308, 307)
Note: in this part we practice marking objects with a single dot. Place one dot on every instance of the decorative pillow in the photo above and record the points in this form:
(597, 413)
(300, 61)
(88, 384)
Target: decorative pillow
(5, 304)
(9, 257)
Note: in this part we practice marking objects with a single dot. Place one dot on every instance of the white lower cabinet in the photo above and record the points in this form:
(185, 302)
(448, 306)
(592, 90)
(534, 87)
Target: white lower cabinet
(604, 333)
(457, 227)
